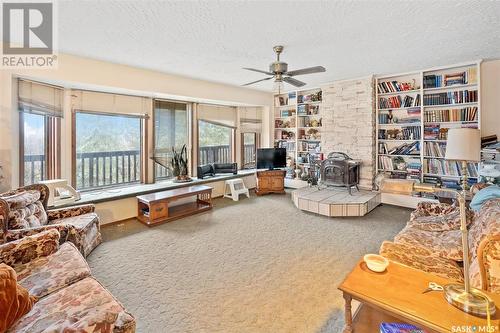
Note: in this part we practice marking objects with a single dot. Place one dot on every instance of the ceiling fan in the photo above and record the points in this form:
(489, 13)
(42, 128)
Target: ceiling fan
(279, 71)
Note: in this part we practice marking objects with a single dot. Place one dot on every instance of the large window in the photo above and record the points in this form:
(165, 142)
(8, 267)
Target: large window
(108, 150)
(34, 146)
(170, 131)
(249, 150)
(40, 110)
(215, 142)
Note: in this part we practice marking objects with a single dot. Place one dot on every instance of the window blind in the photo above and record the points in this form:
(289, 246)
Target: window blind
(250, 119)
(108, 103)
(224, 115)
(39, 98)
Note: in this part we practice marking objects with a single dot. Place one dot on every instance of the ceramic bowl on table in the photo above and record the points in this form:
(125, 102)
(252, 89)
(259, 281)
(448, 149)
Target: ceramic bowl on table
(376, 262)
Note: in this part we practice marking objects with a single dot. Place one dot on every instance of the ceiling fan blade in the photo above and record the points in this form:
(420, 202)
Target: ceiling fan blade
(267, 78)
(309, 70)
(258, 71)
(294, 82)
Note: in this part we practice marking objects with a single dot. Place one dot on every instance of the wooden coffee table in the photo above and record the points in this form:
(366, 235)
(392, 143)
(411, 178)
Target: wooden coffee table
(396, 296)
(157, 207)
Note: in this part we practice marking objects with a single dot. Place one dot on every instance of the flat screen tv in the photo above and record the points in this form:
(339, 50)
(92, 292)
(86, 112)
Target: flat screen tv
(271, 158)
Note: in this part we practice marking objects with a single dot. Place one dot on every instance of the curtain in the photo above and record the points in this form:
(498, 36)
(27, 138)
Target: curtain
(39, 98)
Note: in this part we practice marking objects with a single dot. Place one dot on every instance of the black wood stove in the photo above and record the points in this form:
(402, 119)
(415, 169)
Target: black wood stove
(339, 170)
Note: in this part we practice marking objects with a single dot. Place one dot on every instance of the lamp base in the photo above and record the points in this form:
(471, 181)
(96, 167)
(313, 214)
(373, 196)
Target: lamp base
(473, 302)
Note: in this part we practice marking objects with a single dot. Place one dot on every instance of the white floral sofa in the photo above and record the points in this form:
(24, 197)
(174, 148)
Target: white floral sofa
(69, 299)
(431, 241)
(23, 212)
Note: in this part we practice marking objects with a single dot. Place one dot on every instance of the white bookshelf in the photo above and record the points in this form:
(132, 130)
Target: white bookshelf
(301, 118)
(442, 121)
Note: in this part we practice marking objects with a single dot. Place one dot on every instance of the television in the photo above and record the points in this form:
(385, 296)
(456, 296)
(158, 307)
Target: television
(271, 158)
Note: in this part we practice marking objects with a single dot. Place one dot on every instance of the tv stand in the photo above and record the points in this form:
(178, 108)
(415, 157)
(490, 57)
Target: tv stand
(270, 181)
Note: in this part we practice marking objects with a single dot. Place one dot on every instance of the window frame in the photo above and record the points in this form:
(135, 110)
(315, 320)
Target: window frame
(232, 138)
(256, 136)
(52, 147)
(188, 134)
(143, 172)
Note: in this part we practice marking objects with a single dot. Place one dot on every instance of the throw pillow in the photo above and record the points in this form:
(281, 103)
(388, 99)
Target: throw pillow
(488, 193)
(15, 301)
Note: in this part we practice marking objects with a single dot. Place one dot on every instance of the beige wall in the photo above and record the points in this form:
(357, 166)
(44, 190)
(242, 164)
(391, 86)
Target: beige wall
(490, 98)
(78, 72)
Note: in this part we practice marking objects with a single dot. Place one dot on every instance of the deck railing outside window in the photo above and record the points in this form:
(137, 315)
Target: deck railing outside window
(110, 168)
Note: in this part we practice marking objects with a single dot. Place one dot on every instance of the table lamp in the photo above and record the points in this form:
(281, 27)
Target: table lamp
(463, 145)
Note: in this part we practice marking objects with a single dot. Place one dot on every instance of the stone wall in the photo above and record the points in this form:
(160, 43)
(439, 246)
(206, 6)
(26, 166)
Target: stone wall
(348, 113)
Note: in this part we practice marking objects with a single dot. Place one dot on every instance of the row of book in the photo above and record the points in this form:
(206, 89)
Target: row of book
(395, 86)
(434, 149)
(398, 102)
(468, 76)
(451, 97)
(403, 133)
(463, 114)
(437, 181)
(448, 168)
(435, 132)
(412, 148)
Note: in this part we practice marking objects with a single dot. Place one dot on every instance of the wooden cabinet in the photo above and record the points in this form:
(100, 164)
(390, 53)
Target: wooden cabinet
(271, 181)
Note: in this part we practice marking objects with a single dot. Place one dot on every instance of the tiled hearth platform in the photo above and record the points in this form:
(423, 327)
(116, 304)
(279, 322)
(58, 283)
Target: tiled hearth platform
(335, 201)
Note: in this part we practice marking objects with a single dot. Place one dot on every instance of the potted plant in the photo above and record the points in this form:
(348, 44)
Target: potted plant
(179, 166)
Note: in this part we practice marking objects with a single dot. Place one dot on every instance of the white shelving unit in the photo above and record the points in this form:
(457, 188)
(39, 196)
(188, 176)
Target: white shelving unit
(297, 114)
(420, 84)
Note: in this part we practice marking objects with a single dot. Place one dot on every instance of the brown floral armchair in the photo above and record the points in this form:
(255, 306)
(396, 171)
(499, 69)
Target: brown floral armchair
(69, 298)
(23, 212)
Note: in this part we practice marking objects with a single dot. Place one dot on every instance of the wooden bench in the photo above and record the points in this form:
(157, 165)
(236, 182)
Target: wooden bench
(157, 207)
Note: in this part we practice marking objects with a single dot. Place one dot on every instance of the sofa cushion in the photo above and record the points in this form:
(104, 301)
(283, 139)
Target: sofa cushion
(84, 306)
(487, 193)
(48, 274)
(21, 199)
(446, 244)
(448, 221)
(31, 216)
(15, 301)
(421, 259)
(29, 248)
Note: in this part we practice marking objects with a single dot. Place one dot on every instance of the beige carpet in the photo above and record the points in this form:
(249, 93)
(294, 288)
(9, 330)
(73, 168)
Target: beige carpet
(258, 265)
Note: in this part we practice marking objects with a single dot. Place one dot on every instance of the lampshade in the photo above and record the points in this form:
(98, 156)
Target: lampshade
(463, 144)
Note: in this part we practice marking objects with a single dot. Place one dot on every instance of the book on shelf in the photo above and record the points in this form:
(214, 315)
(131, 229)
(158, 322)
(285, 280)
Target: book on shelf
(488, 140)
(450, 115)
(403, 133)
(468, 76)
(404, 149)
(448, 168)
(397, 102)
(395, 86)
(435, 149)
(451, 97)
(289, 145)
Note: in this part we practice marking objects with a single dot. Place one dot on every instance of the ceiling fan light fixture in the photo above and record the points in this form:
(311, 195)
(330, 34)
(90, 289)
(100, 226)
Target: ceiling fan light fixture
(278, 86)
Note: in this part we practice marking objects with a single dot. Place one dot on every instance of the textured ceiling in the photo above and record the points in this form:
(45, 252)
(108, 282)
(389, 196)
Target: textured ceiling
(212, 40)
